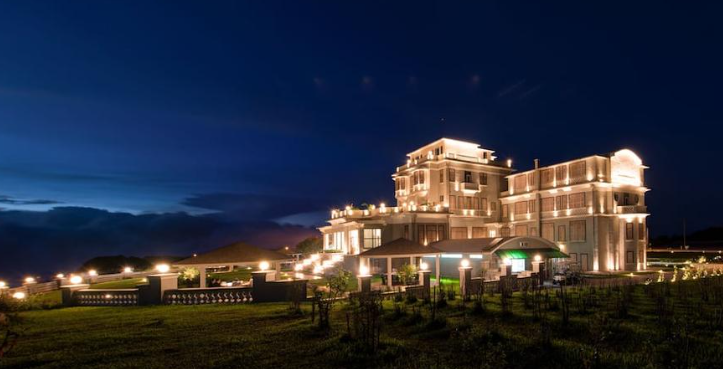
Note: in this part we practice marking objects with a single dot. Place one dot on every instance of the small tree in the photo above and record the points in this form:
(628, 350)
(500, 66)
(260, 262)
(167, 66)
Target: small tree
(337, 284)
(189, 275)
(310, 246)
(9, 322)
(406, 274)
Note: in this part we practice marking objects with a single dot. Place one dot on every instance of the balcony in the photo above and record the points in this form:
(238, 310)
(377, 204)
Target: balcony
(632, 209)
(469, 186)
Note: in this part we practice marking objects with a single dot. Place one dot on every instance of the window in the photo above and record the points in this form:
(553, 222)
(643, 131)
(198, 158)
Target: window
(479, 232)
(546, 177)
(520, 183)
(577, 231)
(520, 230)
(505, 232)
(451, 176)
(338, 241)
(641, 231)
(421, 238)
(373, 238)
(452, 201)
(577, 200)
(483, 203)
(561, 202)
(493, 205)
(548, 231)
(578, 171)
(629, 257)
(533, 231)
(467, 177)
(441, 199)
(441, 176)
(561, 173)
(475, 203)
(548, 203)
(531, 179)
(406, 231)
(442, 232)
(354, 239)
(518, 265)
(531, 206)
(432, 235)
(561, 234)
(521, 207)
(460, 202)
(459, 233)
(505, 210)
(629, 231)
(483, 178)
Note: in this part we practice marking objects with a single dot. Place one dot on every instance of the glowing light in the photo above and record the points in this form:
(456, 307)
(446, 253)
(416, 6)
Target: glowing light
(60, 276)
(538, 258)
(29, 280)
(507, 261)
(264, 265)
(509, 163)
(363, 270)
(464, 263)
(315, 257)
(318, 269)
(3, 284)
(92, 273)
(19, 295)
(108, 296)
(423, 266)
(76, 279)
(337, 258)
(306, 262)
(127, 270)
(163, 268)
(299, 267)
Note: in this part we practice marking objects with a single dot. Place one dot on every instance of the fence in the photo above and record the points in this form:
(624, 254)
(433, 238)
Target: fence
(120, 297)
(200, 296)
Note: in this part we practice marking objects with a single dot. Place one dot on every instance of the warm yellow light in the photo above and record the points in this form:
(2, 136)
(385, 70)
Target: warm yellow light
(538, 258)
(76, 279)
(306, 262)
(92, 273)
(507, 261)
(299, 267)
(423, 266)
(127, 270)
(60, 276)
(3, 284)
(315, 257)
(318, 269)
(29, 280)
(363, 270)
(19, 295)
(163, 268)
(464, 263)
(264, 265)
(108, 296)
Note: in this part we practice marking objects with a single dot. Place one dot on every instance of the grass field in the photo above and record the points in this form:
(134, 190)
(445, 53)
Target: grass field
(268, 336)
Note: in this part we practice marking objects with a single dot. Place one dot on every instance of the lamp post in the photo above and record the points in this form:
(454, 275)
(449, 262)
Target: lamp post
(465, 279)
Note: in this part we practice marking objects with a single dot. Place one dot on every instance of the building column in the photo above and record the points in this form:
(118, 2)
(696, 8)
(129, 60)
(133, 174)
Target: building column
(389, 271)
(202, 275)
(436, 268)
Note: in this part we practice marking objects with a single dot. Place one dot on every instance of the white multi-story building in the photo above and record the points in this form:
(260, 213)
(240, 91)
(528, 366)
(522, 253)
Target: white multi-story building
(593, 208)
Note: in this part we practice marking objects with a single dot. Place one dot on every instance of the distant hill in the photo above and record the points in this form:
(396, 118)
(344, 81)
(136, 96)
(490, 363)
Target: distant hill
(707, 238)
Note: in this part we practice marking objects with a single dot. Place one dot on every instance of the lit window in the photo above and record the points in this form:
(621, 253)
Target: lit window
(372, 238)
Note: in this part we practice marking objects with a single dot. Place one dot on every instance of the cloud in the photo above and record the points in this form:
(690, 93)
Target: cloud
(59, 240)
(7, 200)
(252, 206)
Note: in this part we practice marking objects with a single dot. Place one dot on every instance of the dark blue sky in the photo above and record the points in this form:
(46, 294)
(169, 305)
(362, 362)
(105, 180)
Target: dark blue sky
(257, 112)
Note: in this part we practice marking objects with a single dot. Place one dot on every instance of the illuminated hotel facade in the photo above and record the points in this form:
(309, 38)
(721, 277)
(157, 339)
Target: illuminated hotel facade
(593, 207)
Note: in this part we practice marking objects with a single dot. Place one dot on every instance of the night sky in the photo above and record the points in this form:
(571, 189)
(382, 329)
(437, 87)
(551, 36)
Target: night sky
(145, 128)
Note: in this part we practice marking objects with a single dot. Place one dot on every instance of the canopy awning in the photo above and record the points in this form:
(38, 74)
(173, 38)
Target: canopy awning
(399, 247)
(530, 254)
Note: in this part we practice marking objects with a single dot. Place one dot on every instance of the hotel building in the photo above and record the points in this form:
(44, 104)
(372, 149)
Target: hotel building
(593, 208)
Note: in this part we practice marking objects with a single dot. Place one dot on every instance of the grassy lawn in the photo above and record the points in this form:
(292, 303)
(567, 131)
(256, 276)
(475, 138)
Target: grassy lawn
(267, 336)
(114, 285)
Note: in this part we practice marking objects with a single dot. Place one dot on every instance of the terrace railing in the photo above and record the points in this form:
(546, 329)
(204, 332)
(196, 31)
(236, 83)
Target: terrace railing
(120, 297)
(201, 296)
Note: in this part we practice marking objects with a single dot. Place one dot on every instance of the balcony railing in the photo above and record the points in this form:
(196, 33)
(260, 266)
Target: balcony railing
(632, 209)
(470, 186)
